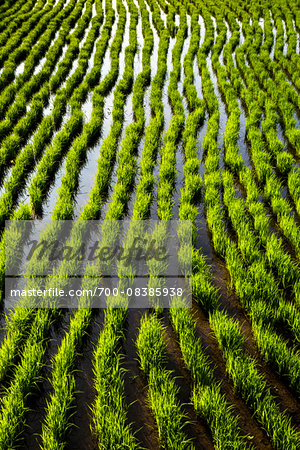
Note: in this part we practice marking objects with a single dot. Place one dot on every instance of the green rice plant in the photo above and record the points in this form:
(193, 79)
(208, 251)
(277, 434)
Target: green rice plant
(26, 84)
(162, 389)
(28, 34)
(81, 321)
(9, 18)
(50, 161)
(13, 340)
(247, 379)
(214, 220)
(31, 119)
(277, 353)
(109, 407)
(27, 373)
(207, 397)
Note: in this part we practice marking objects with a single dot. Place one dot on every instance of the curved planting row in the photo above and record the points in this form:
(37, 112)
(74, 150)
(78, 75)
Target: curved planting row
(101, 48)
(284, 269)
(22, 130)
(12, 340)
(32, 152)
(12, 52)
(207, 398)
(228, 249)
(26, 83)
(162, 392)
(114, 321)
(52, 423)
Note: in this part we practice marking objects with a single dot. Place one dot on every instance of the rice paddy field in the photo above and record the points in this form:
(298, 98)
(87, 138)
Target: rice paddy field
(157, 109)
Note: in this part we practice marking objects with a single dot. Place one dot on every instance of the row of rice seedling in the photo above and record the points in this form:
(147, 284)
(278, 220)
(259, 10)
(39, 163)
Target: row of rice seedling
(103, 412)
(109, 409)
(283, 264)
(171, 21)
(13, 53)
(162, 389)
(167, 171)
(141, 207)
(164, 6)
(156, 16)
(228, 249)
(26, 83)
(22, 130)
(263, 168)
(11, 337)
(289, 11)
(283, 160)
(191, 191)
(53, 431)
(33, 151)
(11, 19)
(207, 398)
